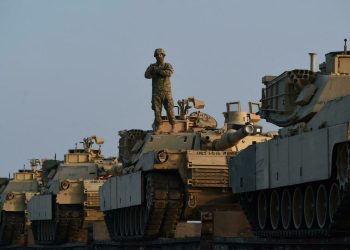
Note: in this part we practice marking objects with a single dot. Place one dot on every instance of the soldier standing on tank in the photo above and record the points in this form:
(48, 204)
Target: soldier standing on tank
(160, 73)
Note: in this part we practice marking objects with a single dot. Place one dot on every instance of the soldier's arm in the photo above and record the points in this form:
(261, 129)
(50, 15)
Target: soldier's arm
(149, 72)
(167, 71)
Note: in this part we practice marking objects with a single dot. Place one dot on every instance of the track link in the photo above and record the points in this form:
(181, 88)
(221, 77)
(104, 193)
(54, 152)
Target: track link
(12, 226)
(62, 229)
(158, 216)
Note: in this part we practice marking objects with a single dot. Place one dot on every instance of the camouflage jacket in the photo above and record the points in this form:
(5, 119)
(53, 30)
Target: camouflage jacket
(160, 75)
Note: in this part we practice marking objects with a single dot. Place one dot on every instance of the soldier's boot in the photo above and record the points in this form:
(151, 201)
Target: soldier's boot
(157, 131)
(156, 128)
(172, 128)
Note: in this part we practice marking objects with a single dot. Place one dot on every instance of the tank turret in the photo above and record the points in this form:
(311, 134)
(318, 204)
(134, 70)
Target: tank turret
(296, 96)
(238, 125)
(169, 176)
(188, 122)
(70, 193)
(297, 184)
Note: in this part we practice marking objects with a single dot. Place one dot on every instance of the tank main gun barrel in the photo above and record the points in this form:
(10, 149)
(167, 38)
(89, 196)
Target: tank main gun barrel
(232, 137)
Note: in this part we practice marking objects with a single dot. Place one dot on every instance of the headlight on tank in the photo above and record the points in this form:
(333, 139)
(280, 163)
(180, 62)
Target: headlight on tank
(64, 185)
(161, 156)
(258, 130)
(10, 196)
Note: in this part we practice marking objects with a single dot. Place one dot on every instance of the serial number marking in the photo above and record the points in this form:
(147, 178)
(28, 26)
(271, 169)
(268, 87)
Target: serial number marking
(210, 153)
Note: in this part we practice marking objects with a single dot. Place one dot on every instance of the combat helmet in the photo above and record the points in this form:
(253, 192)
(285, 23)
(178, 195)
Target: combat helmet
(159, 51)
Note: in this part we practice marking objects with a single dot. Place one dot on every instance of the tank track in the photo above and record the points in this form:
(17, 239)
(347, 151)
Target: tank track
(338, 227)
(70, 222)
(62, 229)
(12, 226)
(158, 216)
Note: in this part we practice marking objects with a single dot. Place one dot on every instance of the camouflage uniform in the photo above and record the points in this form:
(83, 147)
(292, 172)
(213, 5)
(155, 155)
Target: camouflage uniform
(161, 90)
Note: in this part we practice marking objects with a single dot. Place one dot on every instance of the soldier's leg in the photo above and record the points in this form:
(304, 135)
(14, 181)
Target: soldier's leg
(169, 107)
(157, 107)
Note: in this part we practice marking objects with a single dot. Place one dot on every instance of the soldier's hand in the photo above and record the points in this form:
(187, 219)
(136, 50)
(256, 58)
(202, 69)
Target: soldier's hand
(153, 70)
(158, 71)
(150, 69)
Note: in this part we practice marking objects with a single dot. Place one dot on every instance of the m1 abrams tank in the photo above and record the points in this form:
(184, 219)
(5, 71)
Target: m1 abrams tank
(68, 202)
(13, 199)
(297, 184)
(169, 177)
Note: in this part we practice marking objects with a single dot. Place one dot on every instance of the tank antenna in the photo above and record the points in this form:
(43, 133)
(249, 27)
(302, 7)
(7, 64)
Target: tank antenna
(345, 47)
(55, 156)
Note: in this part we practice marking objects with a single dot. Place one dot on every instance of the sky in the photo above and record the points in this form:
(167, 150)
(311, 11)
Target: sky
(72, 69)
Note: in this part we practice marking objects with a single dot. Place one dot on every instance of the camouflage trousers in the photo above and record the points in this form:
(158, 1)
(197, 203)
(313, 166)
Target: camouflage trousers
(165, 100)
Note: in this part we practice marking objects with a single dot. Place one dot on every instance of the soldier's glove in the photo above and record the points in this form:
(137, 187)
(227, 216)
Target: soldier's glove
(151, 69)
(154, 70)
(158, 72)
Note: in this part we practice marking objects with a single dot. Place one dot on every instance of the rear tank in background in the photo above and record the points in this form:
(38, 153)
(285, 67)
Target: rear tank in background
(14, 197)
(168, 177)
(297, 184)
(68, 203)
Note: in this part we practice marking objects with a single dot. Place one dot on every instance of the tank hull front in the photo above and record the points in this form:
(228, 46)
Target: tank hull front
(66, 216)
(164, 193)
